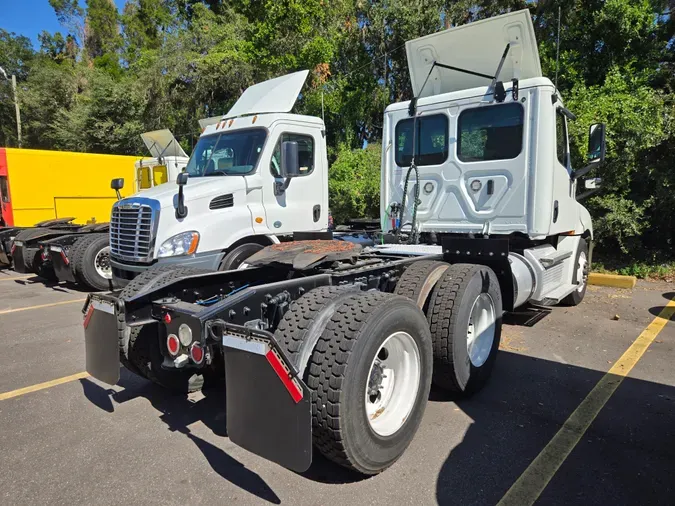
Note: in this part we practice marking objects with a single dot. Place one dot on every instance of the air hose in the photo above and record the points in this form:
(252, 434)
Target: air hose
(412, 238)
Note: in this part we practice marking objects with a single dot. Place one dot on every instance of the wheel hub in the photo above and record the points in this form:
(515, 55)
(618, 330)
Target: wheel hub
(480, 334)
(393, 383)
(582, 272)
(102, 263)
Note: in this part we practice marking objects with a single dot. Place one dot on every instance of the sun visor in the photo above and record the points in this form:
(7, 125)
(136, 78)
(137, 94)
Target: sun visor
(162, 143)
(276, 95)
(477, 47)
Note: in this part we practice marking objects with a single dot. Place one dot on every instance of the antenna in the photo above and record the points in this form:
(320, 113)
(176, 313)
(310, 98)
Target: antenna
(557, 51)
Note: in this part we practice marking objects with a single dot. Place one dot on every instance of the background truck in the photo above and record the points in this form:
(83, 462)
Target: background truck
(329, 344)
(232, 200)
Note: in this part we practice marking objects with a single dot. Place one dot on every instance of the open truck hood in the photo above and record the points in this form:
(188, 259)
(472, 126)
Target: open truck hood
(477, 47)
(162, 143)
(276, 95)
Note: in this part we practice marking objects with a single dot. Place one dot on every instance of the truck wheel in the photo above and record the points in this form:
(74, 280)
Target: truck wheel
(465, 317)
(139, 346)
(306, 319)
(370, 375)
(32, 258)
(419, 279)
(237, 256)
(580, 276)
(92, 262)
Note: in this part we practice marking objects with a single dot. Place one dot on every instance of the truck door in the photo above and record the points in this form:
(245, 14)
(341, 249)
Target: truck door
(302, 205)
(6, 217)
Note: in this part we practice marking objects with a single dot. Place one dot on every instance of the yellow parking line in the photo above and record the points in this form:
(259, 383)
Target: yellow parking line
(529, 486)
(18, 278)
(42, 386)
(16, 310)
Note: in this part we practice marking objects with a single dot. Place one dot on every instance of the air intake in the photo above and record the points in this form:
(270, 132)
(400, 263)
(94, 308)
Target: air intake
(222, 202)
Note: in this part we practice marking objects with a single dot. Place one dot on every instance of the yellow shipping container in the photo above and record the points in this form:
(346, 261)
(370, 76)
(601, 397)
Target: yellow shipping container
(37, 185)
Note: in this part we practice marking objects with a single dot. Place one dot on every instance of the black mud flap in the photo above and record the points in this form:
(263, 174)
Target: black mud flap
(100, 339)
(268, 407)
(61, 264)
(17, 258)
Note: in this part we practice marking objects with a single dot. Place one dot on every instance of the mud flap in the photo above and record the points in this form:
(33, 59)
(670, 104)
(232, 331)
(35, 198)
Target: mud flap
(17, 258)
(61, 268)
(268, 408)
(100, 339)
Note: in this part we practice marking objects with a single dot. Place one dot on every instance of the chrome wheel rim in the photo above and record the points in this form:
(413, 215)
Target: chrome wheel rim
(102, 263)
(393, 384)
(582, 272)
(480, 334)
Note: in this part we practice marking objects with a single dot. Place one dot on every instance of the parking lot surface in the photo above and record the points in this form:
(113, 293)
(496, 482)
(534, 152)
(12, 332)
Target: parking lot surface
(78, 441)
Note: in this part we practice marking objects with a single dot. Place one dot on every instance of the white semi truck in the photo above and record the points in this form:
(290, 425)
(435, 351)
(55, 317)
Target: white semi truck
(329, 344)
(231, 200)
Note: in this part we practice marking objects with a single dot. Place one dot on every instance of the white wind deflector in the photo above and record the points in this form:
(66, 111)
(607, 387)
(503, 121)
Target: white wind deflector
(276, 95)
(162, 143)
(204, 122)
(477, 47)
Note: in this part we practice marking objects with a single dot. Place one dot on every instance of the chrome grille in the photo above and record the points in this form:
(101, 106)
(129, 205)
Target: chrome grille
(132, 231)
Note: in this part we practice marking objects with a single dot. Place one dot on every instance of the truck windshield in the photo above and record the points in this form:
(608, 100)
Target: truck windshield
(227, 154)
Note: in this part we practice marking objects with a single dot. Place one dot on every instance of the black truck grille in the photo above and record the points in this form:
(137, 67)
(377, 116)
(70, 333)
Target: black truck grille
(132, 232)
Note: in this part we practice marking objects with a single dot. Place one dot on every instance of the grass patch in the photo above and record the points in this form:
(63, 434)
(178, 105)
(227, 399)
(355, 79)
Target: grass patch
(657, 268)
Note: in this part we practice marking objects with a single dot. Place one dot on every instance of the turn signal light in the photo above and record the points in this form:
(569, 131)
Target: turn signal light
(173, 344)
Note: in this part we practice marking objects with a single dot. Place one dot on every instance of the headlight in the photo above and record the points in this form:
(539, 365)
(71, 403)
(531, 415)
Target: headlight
(180, 244)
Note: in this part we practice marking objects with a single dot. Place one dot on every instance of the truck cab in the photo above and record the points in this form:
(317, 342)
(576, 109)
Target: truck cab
(255, 176)
(167, 161)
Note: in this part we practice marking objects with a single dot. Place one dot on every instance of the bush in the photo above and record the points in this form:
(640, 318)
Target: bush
(354, 183)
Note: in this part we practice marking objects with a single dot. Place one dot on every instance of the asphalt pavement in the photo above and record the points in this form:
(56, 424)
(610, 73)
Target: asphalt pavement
(77, 441)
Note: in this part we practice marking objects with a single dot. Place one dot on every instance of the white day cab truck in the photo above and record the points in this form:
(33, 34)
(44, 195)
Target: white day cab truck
(331, 344)
(83, 255)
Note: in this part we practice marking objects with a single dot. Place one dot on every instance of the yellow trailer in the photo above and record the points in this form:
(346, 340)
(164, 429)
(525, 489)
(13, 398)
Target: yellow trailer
(38, 185)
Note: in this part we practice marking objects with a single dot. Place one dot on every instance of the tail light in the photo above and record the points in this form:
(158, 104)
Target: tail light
(197, 353)
(173, 344)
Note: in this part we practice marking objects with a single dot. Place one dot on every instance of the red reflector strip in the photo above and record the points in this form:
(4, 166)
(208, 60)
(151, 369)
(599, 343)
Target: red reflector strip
(293, 389)
(13, 249)
(65, 258)
(87, 317)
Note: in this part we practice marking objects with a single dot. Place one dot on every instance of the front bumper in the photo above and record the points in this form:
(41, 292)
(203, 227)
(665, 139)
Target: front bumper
(125, 272)
(268, 405)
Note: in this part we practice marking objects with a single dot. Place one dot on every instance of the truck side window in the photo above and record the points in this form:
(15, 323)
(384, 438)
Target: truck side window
(561, 139)
(431, 140)
(4, 190)
(490, 133)
(305, 152)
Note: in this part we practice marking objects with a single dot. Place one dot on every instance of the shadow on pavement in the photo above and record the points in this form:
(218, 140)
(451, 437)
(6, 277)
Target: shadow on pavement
(178, 412)
(656, 311)
(626, 457)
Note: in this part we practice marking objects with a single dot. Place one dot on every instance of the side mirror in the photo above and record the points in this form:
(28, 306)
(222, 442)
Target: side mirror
(181, 208)
(594, 183)
(117, 184)
(290, 159)
(596, 143)
(182, 179)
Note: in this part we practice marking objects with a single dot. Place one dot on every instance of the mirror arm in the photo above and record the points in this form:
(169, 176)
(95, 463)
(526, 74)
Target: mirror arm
(583, 171)
(181, 210)
(119, 196)
(587, 194)
(280, 188)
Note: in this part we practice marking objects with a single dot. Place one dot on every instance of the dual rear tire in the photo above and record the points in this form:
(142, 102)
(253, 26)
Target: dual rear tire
(369, 358)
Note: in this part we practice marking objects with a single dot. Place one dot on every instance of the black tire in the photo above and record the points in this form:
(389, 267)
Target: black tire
(140, 349)
(84, 258)
(306, 319)
(339, 371)
(237, 256)
(418, 281)
(74, 254)
(449, 313)
(575, 298)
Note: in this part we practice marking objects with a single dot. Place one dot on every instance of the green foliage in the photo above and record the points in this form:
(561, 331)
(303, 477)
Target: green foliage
(354, 183)
(167, 63)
